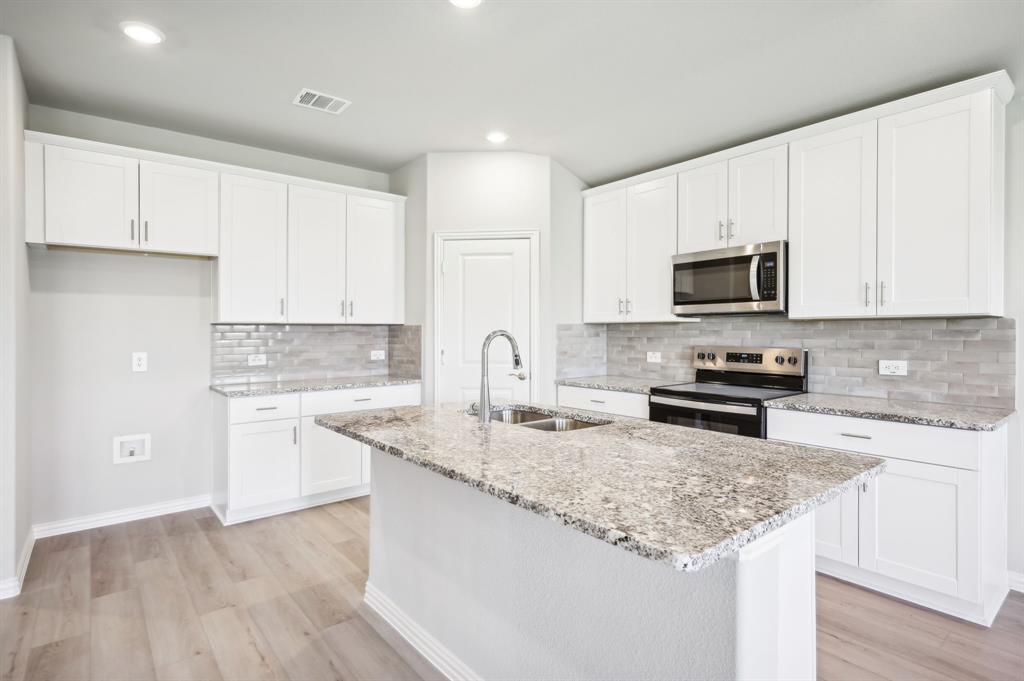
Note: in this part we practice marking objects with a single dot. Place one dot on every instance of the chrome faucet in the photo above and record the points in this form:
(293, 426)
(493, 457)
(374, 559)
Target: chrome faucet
(484, 405)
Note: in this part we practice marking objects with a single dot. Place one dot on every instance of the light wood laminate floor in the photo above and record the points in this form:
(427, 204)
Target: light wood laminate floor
(180, 597)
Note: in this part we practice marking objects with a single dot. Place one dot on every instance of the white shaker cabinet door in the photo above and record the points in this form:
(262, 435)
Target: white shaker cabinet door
(264, 462)
(330, 461)
(604, 257)
(178, 208)
(316, 256)
(703, 208)
(758, 196)
(836, 528)
(92, 199)
(651, 231)
(919, 524)
(376, 261)
(252, 268)
(832, 191)
(934, 213)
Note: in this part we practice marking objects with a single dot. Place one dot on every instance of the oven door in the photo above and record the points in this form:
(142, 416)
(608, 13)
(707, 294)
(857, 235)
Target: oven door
(736, 280)
(734, 418)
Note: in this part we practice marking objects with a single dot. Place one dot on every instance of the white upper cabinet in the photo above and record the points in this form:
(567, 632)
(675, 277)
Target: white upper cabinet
(757, 197)
(178, 208)
(832, 188)
(316, 256)
(604, 257)
(252, 268)
(92, 199)
(703, 208)
(376, 261)
(940, 232)
(651, 232)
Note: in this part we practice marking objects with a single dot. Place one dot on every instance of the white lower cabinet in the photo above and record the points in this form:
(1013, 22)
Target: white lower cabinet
(931, 529)
(330, 461)
(606, 401)
(264, 462)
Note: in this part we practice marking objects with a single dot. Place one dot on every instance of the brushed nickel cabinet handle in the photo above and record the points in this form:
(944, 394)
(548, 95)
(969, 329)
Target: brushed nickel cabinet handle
(351, 308)
(133, 229)
(859, 437)
(721, 230)
(867, 294)
(620, 305)
(881, 293)
(295, 435)
(282, 307)
(732, 230)
(265, 408)
(597, 401)
(362, 399)
(146, 227)
(343, 308)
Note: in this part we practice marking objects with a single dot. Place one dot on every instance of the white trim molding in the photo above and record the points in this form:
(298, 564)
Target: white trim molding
(1016, 580)
(89, 522)
(426, 645)
(12, 587)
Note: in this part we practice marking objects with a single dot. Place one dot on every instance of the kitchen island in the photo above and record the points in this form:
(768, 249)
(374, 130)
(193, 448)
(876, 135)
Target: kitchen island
(630, 549)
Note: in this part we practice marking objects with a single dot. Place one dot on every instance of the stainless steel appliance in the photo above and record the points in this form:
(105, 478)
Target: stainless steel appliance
(731, 388)
(737, 280)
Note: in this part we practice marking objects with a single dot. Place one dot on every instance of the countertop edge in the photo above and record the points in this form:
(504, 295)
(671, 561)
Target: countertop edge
(893, 417)
(232, 391)
(588, 383)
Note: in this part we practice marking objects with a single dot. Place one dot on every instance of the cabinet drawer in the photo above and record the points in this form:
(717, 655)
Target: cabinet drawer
(927, 444)
(607, 401)
(264, 408)
(356, 399)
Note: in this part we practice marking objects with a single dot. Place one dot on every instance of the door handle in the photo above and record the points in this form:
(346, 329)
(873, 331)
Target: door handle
(721, 230)
(755, 290)
(521, 375)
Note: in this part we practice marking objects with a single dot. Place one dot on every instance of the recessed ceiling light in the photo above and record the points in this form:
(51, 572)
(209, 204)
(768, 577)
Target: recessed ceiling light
(465, 4)
(497, 137)
(143, 33)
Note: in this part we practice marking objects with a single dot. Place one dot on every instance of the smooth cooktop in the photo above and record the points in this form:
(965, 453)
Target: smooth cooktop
(719, 391)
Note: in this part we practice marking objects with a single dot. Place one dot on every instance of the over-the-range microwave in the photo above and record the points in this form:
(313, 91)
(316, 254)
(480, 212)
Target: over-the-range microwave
(737, 280)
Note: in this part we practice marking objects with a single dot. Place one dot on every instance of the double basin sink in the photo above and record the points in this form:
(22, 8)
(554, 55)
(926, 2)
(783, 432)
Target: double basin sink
(540, 421)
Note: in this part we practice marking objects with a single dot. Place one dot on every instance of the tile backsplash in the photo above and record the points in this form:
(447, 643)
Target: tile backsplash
(963, 361)
(297, 351)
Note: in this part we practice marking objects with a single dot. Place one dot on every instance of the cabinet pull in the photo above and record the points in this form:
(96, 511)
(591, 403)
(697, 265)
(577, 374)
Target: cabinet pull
(864, 487)
(620, 305)
(732, 231)
(265, 408)
(627, 306)
(343, 308)
(597, 401)
(295, 435)
(859, 437)
(362, 399)
(881, 293)
(133, 229)
(351, 308)
(721, 230)
(146, 227)
(282, 307)
(867, 294)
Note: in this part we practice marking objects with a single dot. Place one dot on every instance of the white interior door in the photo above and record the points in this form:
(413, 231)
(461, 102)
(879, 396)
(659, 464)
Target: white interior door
(179, 208)
(703, 208)
(316, 256)
(485, 285)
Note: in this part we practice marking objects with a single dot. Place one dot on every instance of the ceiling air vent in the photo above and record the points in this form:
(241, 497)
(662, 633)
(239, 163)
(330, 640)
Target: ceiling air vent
(311, 99)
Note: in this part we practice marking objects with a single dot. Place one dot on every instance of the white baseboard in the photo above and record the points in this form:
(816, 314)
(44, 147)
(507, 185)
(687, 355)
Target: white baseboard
(1017, 581)
(88, 522)
(425, 644)
(231, 517)
(12, 587)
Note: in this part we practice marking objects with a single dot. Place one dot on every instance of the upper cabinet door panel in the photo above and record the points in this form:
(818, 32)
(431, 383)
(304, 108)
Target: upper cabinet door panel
(179, 208)
(604, 257)
(703, 208)
(832, 191)
(757, 197)
(252, 268)
(651, 209)
(934, 189)
(376, 261)
(316, 256)
(92, 199)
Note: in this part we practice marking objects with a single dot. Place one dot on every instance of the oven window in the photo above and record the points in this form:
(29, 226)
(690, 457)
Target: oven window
(735, 424)
(726, 280)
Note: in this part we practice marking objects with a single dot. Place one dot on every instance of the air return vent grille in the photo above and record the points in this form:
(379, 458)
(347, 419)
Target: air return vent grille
(311, 99)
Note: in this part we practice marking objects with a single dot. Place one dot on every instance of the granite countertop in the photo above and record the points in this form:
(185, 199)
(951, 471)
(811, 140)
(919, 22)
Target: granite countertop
(960, 416)
(308, 385)
(680, 496)
(622, 384)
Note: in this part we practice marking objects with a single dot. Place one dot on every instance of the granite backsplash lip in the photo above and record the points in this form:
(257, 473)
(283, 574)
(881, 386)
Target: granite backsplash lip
(680, 496)
(957, 416)
(309, 385)
(622, 384)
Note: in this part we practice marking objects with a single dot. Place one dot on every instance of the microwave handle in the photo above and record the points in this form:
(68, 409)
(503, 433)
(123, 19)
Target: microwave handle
(755, 287)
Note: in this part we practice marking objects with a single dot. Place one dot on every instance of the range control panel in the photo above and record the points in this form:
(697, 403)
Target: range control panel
(787, 361)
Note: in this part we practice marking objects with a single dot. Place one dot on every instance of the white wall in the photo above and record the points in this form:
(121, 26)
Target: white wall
(1015, 309)
(15, 459)
(566, 245)
(72, 124)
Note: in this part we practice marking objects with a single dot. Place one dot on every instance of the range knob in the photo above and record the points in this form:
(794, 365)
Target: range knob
(700, 355)
(780, 360)
(792, 360)
(711, 356)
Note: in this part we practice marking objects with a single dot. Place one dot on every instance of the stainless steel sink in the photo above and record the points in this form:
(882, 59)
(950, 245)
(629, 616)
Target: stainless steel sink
(560, 424)
(518, 416)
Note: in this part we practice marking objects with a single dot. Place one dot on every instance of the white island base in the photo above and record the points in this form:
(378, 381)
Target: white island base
(485, 589)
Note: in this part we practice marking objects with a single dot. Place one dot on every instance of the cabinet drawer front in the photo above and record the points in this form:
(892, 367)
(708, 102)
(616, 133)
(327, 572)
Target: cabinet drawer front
(927, 444)
(607, 401)
(356, 399)
(265, 408)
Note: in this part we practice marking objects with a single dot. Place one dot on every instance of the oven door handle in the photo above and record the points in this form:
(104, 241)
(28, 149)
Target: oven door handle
(755, 289)
(705, 406)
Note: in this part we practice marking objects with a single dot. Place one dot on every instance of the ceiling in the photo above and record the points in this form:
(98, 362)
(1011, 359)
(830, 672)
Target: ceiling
(608, 88)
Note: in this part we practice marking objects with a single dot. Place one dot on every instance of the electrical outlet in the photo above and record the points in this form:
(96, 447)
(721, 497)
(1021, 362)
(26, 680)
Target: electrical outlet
(257, 360)
(140, 361)
(653, 356)
(377, 354)
(892, 367)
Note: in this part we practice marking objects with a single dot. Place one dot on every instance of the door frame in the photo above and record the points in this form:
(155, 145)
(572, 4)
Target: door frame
(533, 235)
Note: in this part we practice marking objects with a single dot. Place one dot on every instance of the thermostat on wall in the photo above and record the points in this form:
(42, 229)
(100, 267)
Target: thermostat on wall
(131, 448)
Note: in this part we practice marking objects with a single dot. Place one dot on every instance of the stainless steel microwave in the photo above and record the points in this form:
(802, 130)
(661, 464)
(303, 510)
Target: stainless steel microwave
(737, 280)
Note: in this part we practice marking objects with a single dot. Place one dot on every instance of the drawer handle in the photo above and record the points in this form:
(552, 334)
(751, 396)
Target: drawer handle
(597, 401)
(362, 399)
(265, 408)
(859, 437)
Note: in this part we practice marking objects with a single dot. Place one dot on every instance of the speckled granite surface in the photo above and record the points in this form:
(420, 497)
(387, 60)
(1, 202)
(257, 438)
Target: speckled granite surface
(960, 416)
(308, 385)
(622, 384)
(681, 496)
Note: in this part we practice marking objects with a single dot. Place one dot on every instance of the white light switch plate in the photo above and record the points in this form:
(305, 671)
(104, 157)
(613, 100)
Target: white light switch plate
(892, 367)
(377, 354)
(257, 360)
(653, 356)
(140, 361)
